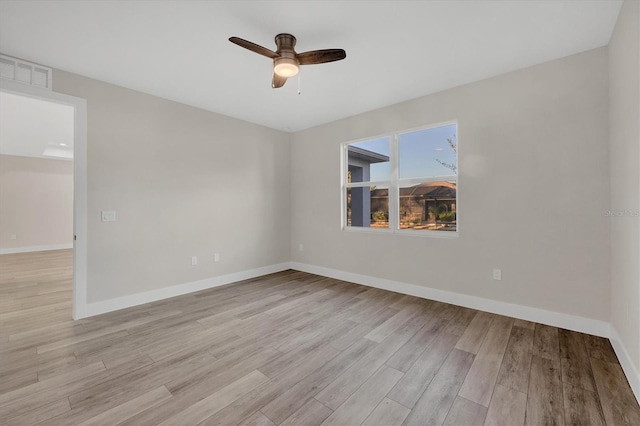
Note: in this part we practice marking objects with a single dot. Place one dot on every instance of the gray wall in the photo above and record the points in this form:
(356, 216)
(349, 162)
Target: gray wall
(183, 182)
(36, 202)
(624, 113)
(533, 185)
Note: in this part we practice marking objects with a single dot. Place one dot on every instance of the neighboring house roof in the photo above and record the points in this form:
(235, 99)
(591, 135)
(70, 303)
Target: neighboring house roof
(430, 190)
(366, 155)
(441, 189)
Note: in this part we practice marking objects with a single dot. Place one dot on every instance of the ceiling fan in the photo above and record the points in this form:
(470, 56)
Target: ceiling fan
(285, 59)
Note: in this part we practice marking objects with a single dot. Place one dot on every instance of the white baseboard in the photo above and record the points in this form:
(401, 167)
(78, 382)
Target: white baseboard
(557, 319)
(36, 248)
(123, 302)
(630, 370)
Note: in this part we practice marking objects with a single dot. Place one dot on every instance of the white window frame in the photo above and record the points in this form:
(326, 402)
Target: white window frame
(395, 183)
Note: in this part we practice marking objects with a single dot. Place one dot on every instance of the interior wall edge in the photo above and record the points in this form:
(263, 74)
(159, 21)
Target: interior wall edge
(633, 375)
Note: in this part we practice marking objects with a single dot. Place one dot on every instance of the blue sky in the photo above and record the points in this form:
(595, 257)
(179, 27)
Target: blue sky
(418, 152)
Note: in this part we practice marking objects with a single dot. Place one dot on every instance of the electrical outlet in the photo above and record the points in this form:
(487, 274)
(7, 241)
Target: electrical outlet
(14, 237)
(300, 247)
(497, 274)
(194, 260)
(216, 257)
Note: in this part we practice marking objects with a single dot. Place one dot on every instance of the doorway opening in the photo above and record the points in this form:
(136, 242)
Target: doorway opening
(43, 155)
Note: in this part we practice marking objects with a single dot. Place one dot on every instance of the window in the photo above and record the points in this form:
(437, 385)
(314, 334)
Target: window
(404, 182)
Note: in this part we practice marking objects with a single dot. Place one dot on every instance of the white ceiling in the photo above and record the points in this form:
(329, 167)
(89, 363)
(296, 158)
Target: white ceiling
(32, 127)
(396, 50)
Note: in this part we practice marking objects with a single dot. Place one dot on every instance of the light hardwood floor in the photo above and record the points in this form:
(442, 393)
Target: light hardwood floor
(291, 349)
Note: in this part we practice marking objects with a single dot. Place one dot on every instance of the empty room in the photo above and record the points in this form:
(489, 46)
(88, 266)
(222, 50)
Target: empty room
(320, 212)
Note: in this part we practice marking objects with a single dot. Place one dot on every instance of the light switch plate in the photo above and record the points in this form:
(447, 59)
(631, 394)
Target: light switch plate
(108, 216)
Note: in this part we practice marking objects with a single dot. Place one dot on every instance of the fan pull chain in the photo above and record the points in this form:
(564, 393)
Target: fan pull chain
(299, 92)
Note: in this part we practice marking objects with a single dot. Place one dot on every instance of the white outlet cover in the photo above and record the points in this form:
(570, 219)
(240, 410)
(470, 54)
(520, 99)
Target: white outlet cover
(497, 274)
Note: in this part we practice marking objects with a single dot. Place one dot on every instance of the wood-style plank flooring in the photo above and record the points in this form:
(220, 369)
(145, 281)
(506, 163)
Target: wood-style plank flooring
(290, 349)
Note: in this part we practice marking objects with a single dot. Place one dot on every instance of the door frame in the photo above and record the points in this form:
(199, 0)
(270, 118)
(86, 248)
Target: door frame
(79, 105)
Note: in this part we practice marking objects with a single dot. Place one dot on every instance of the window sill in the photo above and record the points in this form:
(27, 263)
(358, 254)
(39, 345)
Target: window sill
(404, 232)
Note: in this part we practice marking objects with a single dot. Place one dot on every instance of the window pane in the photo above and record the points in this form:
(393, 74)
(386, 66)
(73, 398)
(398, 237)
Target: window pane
(368, 207)
(428, 206)
(430, 152)
(368, 161)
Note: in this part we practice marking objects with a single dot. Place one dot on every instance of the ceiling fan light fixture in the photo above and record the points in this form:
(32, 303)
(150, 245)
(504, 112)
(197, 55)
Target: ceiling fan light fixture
(286, 62)
(286, 67)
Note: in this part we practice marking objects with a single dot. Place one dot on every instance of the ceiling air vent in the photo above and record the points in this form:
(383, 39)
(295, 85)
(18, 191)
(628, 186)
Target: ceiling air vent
(25, 72)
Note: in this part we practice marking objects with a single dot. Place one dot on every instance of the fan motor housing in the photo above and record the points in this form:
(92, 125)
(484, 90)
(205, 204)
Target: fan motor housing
(285, 41)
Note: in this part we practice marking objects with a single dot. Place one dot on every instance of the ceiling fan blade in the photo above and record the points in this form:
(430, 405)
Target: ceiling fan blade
(254, 47)
(320, 56)
(278, 81)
